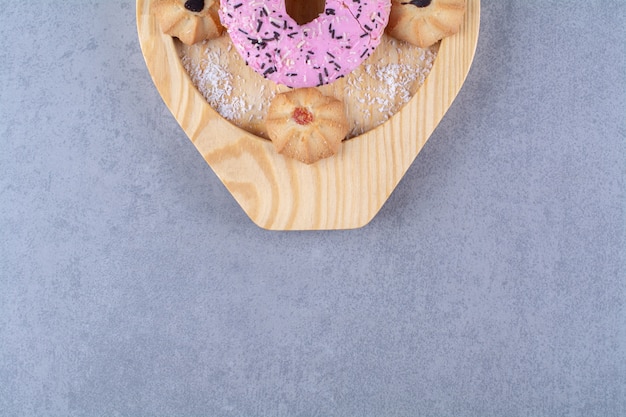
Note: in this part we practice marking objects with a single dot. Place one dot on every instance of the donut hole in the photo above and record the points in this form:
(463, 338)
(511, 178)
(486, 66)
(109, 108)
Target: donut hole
(304, 11)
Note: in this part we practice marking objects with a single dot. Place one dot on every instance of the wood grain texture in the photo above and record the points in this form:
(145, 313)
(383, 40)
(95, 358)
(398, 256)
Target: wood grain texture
(342, 192)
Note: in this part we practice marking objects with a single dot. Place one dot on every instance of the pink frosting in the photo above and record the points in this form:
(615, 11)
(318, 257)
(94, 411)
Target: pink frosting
(316, 53)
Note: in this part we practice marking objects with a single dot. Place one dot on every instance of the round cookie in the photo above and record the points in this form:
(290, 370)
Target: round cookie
(425, 22)
(306, 125)
(190, 21)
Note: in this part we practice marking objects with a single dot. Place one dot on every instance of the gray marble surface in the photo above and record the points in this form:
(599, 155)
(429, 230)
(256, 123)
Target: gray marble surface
(492, 283)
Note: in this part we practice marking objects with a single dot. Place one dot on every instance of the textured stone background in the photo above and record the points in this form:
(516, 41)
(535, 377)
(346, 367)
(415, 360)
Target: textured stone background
(492, 283)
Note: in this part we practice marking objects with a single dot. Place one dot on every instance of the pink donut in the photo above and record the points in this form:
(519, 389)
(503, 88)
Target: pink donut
(313, 54)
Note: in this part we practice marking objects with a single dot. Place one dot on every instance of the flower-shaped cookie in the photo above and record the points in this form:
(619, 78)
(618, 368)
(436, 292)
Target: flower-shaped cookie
(190, 21)
(306, 125)
(425, 22)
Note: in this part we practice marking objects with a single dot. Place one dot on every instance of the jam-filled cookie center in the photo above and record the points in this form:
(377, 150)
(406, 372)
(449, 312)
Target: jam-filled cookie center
(194, 5)
(304, 11)
(302, 116)
(418, 3)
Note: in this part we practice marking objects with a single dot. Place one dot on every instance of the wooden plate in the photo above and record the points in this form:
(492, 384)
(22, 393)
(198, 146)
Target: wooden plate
(342, 192)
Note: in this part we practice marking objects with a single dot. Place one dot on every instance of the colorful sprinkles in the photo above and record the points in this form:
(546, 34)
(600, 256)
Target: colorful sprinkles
(309, 55)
